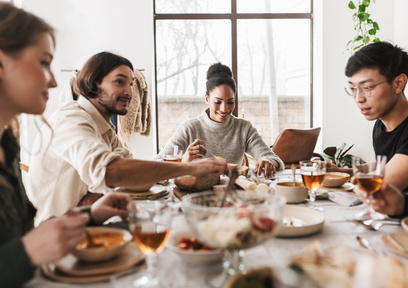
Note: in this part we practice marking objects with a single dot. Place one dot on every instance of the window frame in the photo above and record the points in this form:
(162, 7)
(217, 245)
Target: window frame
(234, 17)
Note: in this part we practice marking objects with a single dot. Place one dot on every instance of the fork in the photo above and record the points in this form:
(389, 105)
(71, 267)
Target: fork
(375, 225)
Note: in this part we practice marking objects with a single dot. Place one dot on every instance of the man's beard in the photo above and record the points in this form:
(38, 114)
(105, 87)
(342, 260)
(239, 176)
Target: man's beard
(109, 106)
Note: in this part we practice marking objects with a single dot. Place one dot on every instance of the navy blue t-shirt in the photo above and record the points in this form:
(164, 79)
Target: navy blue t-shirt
(391, 143)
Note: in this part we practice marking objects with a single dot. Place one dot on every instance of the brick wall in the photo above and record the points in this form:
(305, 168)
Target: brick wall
(293, 113)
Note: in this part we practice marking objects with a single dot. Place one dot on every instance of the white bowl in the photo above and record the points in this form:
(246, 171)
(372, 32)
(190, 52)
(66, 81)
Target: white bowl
(335, 179)
(302, 221)
(192, 257)
(293, 194)
(98, 254)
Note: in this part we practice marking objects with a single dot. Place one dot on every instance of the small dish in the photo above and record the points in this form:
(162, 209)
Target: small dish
(294, 192)
(189, 256)
(117, 239)
(335, 179)
(300, 221)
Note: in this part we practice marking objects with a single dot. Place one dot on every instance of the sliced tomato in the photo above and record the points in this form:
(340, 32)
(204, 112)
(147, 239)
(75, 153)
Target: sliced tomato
(264, 224)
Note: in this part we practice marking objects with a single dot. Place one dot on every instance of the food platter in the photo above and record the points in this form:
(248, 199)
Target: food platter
(300, 221)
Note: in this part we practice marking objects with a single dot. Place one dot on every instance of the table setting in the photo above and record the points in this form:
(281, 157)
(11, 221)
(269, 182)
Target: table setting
(266, 248)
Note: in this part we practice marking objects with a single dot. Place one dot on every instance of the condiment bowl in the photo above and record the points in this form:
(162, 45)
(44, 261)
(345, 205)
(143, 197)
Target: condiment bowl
(110, 242)
(335, 179)
(192, 257)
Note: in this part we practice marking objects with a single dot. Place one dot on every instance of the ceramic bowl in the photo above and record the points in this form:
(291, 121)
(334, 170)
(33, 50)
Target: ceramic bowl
(404, 223)
(293, 193)
(106, 251)
(192, 257)
(335, 179)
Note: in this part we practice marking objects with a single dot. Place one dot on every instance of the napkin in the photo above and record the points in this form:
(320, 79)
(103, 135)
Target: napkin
(339, 197)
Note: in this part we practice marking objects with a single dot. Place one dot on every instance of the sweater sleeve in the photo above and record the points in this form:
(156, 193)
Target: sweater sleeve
(15, 265)
(257, 147)
(181, 138)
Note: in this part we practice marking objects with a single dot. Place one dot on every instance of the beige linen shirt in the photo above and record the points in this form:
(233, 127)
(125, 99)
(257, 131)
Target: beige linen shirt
(71, 159)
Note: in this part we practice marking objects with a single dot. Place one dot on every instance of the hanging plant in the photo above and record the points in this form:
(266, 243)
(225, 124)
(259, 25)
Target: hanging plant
(366, 28)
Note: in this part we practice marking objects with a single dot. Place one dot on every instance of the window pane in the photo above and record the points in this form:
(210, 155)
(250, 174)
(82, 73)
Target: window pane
(193, 6)
(273, 6)
(274, 71)
(185, 49)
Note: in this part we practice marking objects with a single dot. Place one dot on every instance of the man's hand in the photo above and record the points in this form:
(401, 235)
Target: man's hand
(388, 200)
(207, 166)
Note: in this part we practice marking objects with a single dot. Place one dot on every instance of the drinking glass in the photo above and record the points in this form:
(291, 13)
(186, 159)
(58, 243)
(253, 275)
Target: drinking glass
(149, 223)
(369, 177)
(313, 173)
(173, 156)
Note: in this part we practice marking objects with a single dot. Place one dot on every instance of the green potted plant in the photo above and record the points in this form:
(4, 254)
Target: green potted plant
(338, 156)
(366, 28)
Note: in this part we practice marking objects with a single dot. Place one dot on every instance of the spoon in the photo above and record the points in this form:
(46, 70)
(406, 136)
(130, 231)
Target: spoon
(364, 243)
(91, 243)
(294, 173)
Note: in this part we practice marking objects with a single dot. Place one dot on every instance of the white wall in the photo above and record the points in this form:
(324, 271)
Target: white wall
(126, 27)
(341, 121)
(87, 27)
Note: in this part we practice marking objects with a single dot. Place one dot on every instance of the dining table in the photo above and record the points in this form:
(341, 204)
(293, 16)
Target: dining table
(275, 252)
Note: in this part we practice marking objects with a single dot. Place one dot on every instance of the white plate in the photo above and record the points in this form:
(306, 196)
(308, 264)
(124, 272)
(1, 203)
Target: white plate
(305, 221)
(192, 257)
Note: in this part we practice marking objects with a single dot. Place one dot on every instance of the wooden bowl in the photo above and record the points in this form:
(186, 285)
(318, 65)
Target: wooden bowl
(335, 179)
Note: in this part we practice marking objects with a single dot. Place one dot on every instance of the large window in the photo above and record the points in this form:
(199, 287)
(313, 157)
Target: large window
(267, 43)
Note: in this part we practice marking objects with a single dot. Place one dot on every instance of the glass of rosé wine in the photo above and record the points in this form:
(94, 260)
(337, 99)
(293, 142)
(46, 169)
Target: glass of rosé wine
(149, 223)
(313, 173)
(369, 176)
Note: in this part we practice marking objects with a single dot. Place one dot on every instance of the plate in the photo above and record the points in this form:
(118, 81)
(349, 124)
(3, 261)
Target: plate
(71, 266)
(397, 242)
(154, 192)
(345, 187)
(304, 221)
(192, 257)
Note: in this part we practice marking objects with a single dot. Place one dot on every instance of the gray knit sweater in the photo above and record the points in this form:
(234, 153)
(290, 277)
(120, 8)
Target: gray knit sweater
(229, 139)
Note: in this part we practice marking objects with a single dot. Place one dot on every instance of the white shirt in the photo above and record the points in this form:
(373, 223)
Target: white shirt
(71, 159)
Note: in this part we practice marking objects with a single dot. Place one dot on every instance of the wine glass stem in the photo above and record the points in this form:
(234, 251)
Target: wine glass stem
(312, 196)
(151, 261)
(233, 261)
(370, 205)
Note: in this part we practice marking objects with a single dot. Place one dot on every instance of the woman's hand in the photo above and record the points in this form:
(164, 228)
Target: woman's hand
(55, 238)
(388, 200)
(111, 204)
(195, 150)
(267, 165)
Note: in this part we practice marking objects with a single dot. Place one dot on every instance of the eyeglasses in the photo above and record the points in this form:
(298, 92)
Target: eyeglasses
(365, 90)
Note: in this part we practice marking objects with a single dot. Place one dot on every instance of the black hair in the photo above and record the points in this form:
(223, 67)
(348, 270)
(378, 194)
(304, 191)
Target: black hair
(389, 59)
(217, 75)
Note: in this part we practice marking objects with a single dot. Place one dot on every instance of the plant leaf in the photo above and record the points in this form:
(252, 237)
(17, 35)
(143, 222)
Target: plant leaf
(375, 25)
(348, 149)
(358, 38)
(363, 16)
(359, 46)
(376, 39)
(331, 151)
(366, 40)
(361, 8)
(351, 5)
(372, 31)
(366, 3)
